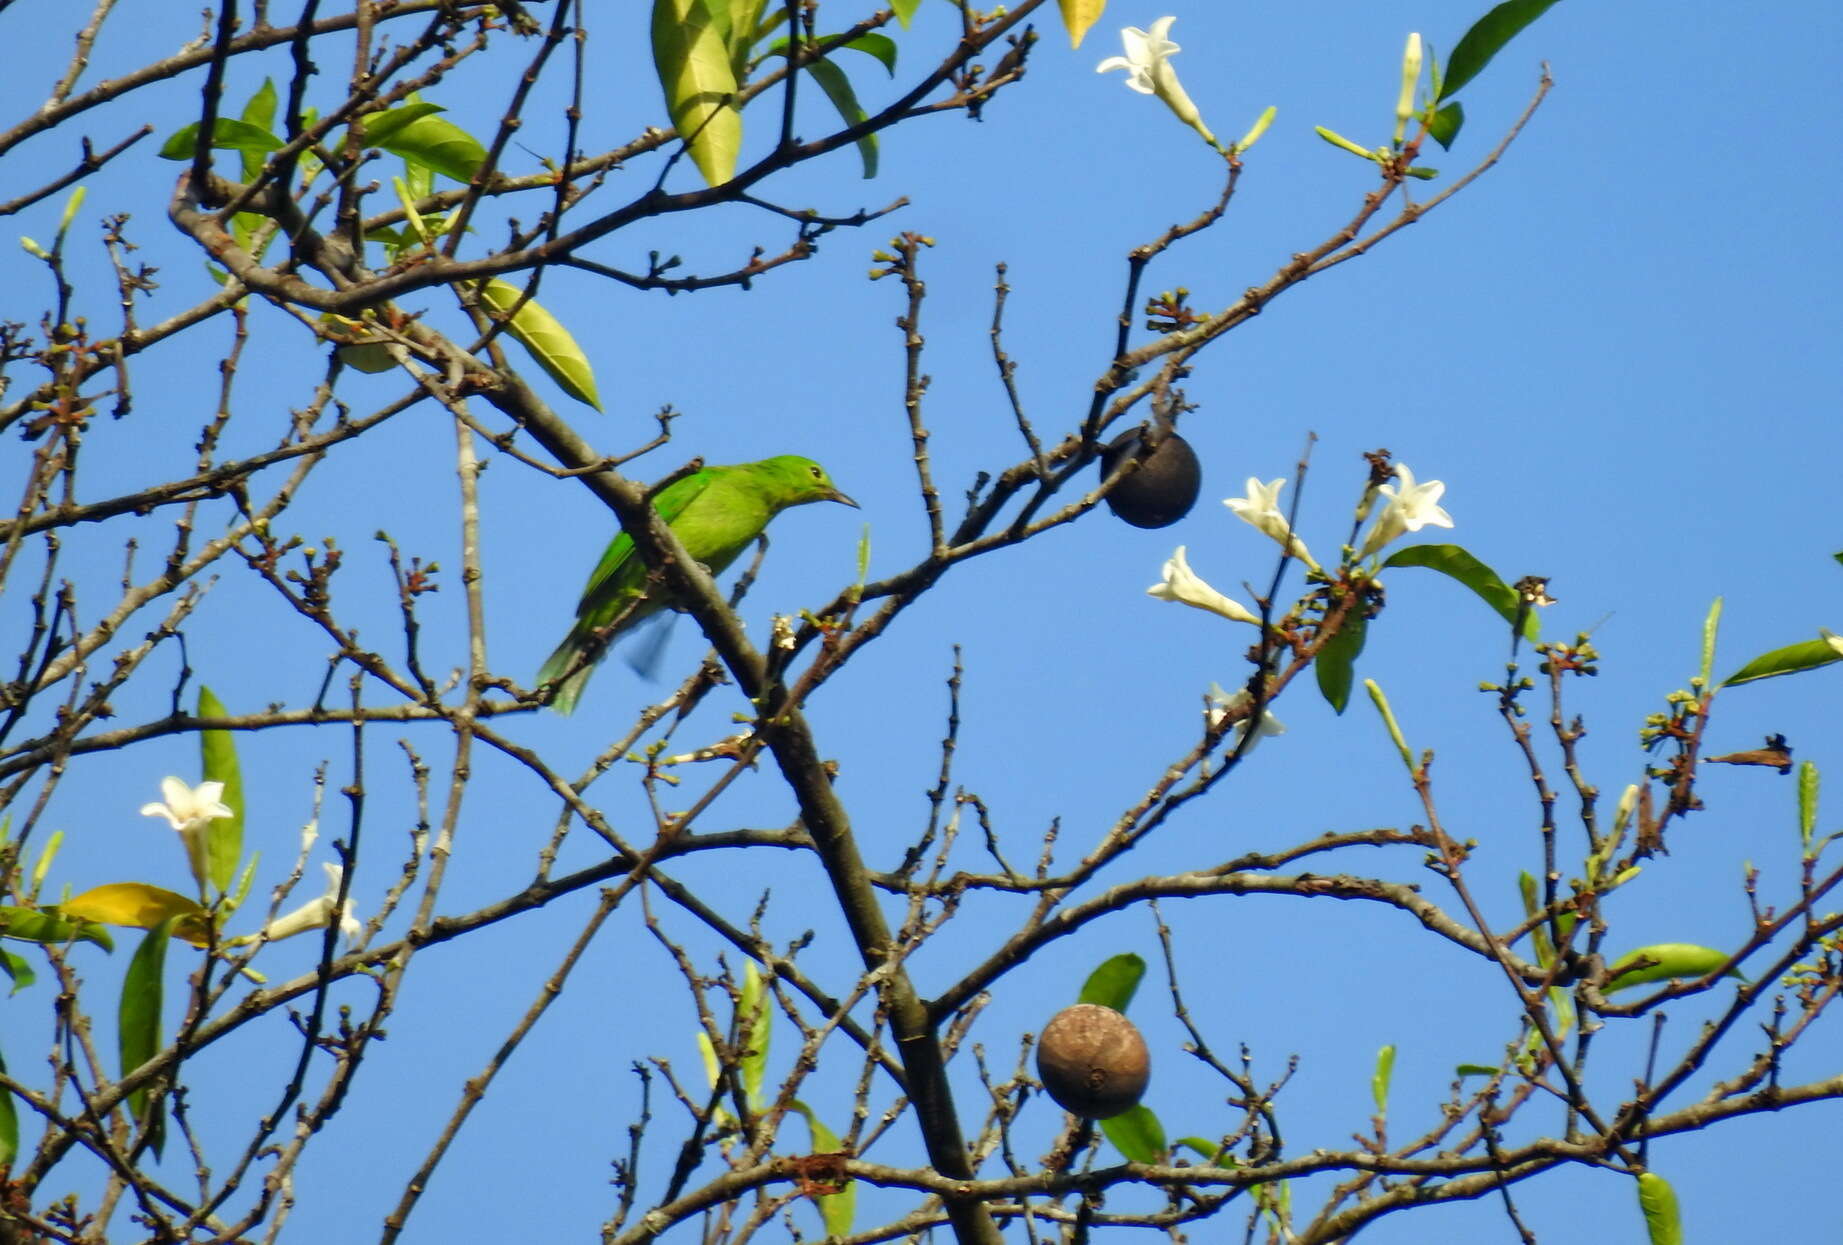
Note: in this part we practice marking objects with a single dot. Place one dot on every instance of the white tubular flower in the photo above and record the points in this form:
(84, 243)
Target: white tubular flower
(1261, 507)
(1410, 78)
(316, 913)
(1148, 71)
(1221, 703)
(1411, 507)
(1185, 585)
(189, 810)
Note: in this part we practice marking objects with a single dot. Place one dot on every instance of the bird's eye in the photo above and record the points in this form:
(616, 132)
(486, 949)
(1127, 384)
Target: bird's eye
(817, 473)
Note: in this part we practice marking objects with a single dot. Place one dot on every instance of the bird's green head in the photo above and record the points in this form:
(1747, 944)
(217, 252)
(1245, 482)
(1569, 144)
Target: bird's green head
(801, 480)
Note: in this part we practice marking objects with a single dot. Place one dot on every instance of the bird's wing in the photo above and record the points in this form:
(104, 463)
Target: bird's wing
(670, 503)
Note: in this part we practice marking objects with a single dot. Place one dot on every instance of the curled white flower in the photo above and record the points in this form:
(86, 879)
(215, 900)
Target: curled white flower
(1148, 71)
(1261, 507)
(1222, 703)
(1411, 507)
(1185, 585)
(316, 913)
(1410, 78)
(190, 810)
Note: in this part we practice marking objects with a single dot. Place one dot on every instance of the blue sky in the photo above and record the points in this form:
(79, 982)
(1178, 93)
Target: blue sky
(1616, 349)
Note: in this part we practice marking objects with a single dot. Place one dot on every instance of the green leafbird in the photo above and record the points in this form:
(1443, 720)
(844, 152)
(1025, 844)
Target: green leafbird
(715, 513)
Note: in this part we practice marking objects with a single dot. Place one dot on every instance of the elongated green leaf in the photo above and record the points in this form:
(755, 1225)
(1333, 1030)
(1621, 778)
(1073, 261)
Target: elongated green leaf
(9, 1128)
(905, 13)
(1455, 563)
(1212, 1152)
(1487, 38)
(381, 127)
(20, 971)
(138, 1024)
(547, 341)
(1792, 659)
(1663, 1218)
(1114, 982)
(741, 22)
(839, 1208)
(1807, 802)
(1662, 962)
(1077, 17)
(259, 111)
(693, 62)
(882, 47)
(1379, 1080)
(832, 81)
(1337, 661)
(1137, 1134)
(437, 144)
(139, 906)
(227, 133)
(1474, 1069)
(1711, 626)
(754, 1029)
(32, 925)
(1446, 123)
(224, 836)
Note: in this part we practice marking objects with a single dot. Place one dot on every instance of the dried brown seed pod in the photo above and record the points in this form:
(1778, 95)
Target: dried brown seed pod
(1092, 1061)
(1165, 486)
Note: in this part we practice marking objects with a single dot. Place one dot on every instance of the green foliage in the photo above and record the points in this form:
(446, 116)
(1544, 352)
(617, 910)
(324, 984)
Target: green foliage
(9, 1128)
(429, 141)
(1455, 563)
(1486, 39)
(1658, 1201)
(1711, 626)
(227, 133)
(224, 835)
(61, 926)
(545, 339)
(1662, 962)
(754, 1029)
(18, 969)
(1379, 1080)
(692, 55)
(1137, 1134)
(1444, 126)
(1337, 660)
(832, 81)
(138, 1022)
(1077, 17)
(1807, 803)
(1792, 659)
(1114, 983)
(837, 1208)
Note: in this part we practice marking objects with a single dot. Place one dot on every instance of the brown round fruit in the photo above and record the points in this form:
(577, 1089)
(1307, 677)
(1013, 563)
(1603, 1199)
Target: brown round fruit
(1165, 486)
(1092, 1061)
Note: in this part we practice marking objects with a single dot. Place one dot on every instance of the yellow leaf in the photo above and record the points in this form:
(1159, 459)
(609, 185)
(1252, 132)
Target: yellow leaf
(548, 341)
(139, 906)
(1078, 15)
(693, 60)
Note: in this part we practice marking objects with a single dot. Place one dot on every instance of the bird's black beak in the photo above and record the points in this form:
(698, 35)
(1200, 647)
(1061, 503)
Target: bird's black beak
(837, 496)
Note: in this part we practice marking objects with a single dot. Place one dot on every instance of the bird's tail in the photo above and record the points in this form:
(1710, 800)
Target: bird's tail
(575, 645)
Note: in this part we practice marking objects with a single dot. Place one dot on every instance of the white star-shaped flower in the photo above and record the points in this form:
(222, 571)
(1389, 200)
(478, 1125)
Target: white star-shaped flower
(1148, 71)
(1185, 585)
(1261, 507)
(1411, 507)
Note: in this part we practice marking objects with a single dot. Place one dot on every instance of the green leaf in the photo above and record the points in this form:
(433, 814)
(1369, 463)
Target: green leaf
(227, 133)
(436, 144)
(905, 13)
(836, 1209)
(139, 906)
(224, 836)
(1658, 1201)
(1114, 982)
(1710, 626)
(693, 63)
(17, 968)
(1474, 1069)
(1664, 961)
(380, 127)
(1337, 660)
(1807, 802)
(1455, 563)
(1444, 126)
(9, 1128)
(259, 112)
(754, 1028)
(1211, 1152)
(547, 341)
(33, 925)
(882, 47)
(1137, 1134)
(138, 1024)
(1792, 659)
(832, 81)
(1379, 1080)
(1077, 16)
(1487, 38)
(741, 20)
